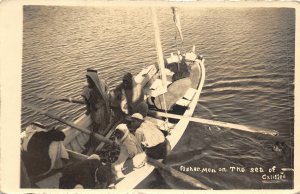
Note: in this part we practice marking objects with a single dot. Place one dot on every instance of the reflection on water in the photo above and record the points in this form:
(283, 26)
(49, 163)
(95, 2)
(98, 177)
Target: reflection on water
(250, 73)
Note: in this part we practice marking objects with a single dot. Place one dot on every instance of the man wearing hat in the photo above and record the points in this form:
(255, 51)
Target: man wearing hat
(96, 96)
(149, 136)
(129, 148)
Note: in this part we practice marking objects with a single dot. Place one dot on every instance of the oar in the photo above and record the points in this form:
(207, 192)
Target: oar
(58, 98)
(217, 123)
(173, 172)
(69, 123)
(112, 128)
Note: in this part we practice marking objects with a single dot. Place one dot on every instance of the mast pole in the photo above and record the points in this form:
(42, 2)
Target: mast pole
(159, 51)
(161, 62)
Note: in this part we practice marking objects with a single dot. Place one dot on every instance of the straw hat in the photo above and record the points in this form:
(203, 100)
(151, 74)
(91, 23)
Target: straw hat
(94, 156)
(123, 128)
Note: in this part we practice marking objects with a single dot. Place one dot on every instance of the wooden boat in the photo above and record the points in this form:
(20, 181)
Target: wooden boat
(147, 78)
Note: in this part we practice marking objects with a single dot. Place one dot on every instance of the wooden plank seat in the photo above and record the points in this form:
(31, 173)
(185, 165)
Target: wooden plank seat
(186, 99)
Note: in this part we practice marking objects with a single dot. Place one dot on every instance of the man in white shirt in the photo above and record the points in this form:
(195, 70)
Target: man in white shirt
(149, 136)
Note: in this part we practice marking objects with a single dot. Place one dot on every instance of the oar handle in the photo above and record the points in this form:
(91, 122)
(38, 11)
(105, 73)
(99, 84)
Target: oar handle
(69, 123)
(58, 98)
(72, 100)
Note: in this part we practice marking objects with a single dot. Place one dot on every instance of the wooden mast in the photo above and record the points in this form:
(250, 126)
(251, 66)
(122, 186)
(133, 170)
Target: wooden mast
(159, 51)
(161, 62)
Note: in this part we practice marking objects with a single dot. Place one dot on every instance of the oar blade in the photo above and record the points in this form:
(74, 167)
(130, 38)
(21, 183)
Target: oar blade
(192, 181)
(236, 126)
(179, 175)
(263, 131)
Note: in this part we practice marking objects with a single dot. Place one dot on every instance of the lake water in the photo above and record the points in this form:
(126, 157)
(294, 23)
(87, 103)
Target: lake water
(249, 63)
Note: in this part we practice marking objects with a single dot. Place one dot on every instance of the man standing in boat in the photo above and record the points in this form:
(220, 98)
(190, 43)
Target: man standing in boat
(129, 97)
(95, 95)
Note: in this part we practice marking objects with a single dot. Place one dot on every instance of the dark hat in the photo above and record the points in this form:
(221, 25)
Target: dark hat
(93, 75)
(127, 77)
(91, 72)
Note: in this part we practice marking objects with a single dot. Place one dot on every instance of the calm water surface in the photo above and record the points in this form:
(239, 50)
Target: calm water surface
(249, 66)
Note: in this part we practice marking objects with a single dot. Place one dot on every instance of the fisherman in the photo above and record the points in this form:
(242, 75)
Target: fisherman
(187, 77)
(129, 97)
(129, 148)
(182, 70)
(150, 137)
(42, 150)
(87, 174)
(96, 96)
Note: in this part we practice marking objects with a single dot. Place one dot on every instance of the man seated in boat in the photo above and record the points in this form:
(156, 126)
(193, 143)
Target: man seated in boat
(96, 95)
(42, 150)
(129, 97)
(181, 69)
(90, 173)
(183, 80)
(129, 148)
(150, 137)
